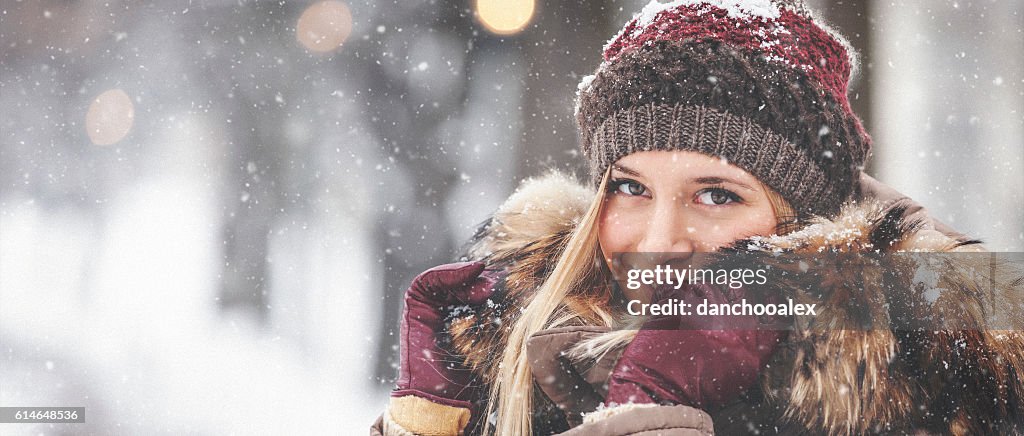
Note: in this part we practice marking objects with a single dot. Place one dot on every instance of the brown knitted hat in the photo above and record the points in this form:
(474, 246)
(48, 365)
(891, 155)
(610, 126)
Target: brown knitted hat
(760, 83)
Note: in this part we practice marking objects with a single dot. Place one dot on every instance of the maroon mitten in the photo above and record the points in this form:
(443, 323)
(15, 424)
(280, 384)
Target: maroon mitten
(679, 360)
(428, 370)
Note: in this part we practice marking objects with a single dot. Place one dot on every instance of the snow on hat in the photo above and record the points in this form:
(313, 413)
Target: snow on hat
(760, 83)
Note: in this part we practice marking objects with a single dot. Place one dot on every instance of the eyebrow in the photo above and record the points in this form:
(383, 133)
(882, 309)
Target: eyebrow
(626, 170)
(706, 180)
(711, 180)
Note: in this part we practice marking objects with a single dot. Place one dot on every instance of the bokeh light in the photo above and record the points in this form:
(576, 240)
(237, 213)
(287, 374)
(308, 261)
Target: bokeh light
(505, 17)
(324, 26)
(110, 117)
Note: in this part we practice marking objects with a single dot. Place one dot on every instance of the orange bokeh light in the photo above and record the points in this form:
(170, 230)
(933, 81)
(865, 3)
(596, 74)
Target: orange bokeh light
(324, 26)
(504, 17)
(110, 117)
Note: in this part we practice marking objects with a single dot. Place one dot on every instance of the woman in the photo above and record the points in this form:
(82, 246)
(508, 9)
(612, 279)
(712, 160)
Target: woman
(708, 126)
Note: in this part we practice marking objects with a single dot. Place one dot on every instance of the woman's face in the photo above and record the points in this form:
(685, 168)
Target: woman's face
(680, 202)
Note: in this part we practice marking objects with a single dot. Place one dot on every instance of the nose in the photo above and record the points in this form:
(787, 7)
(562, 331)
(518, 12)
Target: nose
(667, 230)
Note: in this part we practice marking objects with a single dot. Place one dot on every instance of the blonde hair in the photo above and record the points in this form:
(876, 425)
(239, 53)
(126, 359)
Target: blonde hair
(578, 287)
(561, 298)
(786, 218)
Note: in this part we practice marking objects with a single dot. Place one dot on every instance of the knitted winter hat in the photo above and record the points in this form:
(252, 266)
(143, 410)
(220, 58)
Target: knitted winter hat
(760, 83)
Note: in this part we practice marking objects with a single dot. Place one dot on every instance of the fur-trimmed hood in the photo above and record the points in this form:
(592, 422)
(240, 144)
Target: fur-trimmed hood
(838, 380)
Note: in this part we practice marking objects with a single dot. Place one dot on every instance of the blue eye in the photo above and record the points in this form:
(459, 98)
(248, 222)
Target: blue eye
(717, 197)
(628, 187)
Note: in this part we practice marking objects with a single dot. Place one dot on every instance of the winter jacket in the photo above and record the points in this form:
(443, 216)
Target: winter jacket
(835, 381)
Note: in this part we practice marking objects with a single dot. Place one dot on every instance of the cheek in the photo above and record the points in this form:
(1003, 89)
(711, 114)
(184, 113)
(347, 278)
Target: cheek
(714, 234)
(618, 231)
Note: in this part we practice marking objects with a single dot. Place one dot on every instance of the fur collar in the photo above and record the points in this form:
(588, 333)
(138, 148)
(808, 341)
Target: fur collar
(832, 381)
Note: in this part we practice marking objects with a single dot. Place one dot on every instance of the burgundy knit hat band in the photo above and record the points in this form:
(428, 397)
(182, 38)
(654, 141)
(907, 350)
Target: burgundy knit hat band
(777, 162)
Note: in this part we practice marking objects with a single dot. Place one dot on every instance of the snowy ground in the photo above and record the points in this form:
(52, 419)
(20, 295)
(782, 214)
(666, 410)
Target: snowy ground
(120, 317)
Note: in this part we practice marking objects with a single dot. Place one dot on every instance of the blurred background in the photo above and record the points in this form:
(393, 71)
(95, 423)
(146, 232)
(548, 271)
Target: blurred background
(209, 209)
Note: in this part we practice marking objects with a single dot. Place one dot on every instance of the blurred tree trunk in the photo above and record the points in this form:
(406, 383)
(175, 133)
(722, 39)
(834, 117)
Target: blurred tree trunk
(563, 45)
(258, 153)
(251, 201)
